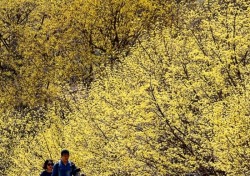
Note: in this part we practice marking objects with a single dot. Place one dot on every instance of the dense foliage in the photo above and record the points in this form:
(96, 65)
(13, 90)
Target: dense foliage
(139, 87)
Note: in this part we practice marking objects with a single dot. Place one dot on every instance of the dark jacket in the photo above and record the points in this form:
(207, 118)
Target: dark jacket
(45, 173)
(61, 169)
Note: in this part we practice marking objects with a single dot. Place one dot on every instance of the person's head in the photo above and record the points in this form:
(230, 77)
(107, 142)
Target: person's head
(48, 164)
(64, 155)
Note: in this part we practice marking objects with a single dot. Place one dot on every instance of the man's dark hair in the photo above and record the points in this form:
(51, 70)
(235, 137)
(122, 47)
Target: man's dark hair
(64, 151)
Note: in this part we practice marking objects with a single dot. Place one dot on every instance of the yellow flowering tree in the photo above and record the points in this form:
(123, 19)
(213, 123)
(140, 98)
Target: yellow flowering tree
(167, 101)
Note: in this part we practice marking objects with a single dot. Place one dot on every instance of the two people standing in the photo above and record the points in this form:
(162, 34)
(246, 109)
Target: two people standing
(64, 167)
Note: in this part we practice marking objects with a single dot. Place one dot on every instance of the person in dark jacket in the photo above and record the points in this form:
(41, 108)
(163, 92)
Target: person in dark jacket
(64, 167)
(48, 167)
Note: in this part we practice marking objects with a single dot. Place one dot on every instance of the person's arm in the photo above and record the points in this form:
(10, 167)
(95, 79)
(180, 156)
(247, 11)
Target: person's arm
(42, 174)
(75, 170)
(55, 170)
